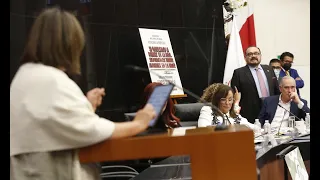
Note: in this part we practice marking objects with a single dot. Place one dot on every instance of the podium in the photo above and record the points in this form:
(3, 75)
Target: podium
(219, 155)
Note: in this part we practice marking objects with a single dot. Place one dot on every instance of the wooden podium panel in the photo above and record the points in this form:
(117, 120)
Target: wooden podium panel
(219, 155)
(274, 170)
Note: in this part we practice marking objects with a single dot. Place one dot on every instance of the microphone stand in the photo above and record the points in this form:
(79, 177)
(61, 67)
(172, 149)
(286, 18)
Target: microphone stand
(137, 68)
(217, 128)
(212, 47)
(295, 129)
(278, 133)
(290, 112)
(226, 119)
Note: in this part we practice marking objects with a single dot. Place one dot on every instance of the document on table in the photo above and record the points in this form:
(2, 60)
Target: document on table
(181, 131)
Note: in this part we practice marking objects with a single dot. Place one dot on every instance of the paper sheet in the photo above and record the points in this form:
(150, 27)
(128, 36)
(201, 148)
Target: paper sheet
(181, 131)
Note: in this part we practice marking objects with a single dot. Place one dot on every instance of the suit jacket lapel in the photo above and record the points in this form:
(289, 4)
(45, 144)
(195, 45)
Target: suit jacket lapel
(293, 108)
(273, 108)
(250, 77)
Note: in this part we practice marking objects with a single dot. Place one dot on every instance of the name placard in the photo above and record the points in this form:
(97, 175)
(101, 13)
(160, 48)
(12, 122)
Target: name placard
(296, 165)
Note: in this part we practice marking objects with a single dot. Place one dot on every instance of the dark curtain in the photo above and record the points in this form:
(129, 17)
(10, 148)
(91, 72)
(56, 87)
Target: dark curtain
(113, 41)
(114, 30)
(22, 15)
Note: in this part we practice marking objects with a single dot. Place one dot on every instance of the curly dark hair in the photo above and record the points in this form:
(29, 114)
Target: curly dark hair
(214, 93)
(209, 92)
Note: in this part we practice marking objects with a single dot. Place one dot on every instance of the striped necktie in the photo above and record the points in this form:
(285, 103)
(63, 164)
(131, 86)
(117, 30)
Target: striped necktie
(262, 85)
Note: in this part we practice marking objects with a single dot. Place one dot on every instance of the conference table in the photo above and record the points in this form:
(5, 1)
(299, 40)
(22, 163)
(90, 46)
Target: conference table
(269, 167)
(200, 153)
(210, 149)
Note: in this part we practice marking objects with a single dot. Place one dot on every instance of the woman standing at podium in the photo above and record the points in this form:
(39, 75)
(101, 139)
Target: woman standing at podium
(50, 117)
(225, 100)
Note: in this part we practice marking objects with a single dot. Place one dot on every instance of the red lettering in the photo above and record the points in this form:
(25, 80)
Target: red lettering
(154, 65)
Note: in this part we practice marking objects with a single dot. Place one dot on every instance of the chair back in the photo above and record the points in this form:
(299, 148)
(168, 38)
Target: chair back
(188, 113)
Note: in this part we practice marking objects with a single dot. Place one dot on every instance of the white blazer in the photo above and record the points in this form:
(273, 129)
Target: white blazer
(49, 112)
(206, 117)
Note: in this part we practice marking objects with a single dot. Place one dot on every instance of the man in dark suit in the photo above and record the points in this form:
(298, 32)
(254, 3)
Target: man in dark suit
(254, 82)
(288, 99)
(286, 60)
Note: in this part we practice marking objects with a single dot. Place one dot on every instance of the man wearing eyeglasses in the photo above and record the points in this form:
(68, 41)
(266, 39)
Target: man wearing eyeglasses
(255, 82)
(286, 59)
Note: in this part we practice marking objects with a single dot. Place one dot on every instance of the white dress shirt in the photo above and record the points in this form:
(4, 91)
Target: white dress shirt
(255, 77)
(283, 114)
(206, 117)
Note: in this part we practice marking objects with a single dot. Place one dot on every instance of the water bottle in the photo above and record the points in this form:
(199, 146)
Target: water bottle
(307, 120)
(257, 126)
(267, 127)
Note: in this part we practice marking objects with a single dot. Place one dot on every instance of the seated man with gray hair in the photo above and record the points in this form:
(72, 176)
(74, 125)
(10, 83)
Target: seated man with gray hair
(273, 108)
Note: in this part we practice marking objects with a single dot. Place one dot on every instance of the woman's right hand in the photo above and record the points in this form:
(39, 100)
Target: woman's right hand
(144, 116)
(95, 97)
(139, 123)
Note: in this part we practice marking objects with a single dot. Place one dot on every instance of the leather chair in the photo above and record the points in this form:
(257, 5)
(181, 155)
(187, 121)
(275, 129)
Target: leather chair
(188, 113)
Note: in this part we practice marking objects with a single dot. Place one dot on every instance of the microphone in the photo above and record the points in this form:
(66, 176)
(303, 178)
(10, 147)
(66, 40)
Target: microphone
(225, 118)
(138, 68)
(289, 111)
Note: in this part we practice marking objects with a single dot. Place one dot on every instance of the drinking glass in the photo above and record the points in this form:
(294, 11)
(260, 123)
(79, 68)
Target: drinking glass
(291, 122)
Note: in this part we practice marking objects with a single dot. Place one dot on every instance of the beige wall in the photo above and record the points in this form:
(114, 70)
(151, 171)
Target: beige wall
(284, 25)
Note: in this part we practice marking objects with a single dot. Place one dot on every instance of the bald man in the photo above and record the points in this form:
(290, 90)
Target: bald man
(288, 99)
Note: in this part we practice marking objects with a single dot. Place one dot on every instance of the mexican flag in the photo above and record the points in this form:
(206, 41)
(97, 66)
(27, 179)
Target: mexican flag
(241, 31)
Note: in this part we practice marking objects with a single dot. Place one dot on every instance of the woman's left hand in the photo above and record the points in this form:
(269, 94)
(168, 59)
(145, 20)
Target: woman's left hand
(237, 96)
